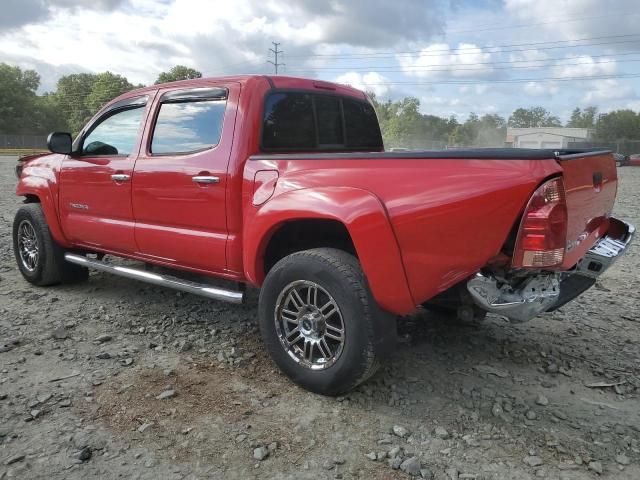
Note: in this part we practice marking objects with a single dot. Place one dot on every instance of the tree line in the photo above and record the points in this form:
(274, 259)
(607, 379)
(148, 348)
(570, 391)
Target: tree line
(76, 99)
(78, 96)
(403, 125)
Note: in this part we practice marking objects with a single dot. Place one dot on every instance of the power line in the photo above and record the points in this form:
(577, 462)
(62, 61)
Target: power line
(455, 67)
(484, 49)
(276, 52)
(511, 80)
(529, 25)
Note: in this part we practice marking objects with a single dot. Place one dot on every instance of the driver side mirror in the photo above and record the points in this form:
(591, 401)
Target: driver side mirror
(60, 142)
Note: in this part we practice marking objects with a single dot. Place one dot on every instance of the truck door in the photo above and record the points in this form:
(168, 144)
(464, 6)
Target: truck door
(95, 182)
(180, 177)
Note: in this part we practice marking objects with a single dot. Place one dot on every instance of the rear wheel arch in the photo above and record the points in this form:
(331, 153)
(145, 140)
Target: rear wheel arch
(304, 234)
(359, 225)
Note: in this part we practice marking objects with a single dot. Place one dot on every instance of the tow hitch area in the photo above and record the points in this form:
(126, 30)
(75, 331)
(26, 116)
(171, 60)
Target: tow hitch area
(534, 295)
(545, 292)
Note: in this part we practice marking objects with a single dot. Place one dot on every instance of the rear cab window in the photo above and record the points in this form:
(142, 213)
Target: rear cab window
(298, 121)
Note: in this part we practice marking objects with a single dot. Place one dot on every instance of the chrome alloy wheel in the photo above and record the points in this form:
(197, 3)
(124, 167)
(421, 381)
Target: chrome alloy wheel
(28, 245)
(309, 325)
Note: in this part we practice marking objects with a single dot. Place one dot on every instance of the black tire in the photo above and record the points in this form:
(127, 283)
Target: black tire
(369, 332)
(50, 267)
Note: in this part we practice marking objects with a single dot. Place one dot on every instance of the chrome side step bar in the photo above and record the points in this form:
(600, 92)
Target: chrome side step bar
(187, 286)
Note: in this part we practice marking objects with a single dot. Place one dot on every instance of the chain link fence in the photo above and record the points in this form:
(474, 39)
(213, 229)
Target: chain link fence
(23, 141)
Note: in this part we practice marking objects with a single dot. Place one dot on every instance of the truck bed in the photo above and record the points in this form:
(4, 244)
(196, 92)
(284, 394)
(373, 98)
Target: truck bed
(456, 211)
(454, 153)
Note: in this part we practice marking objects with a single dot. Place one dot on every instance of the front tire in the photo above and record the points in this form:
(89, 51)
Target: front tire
(320, 323)
(40, 259)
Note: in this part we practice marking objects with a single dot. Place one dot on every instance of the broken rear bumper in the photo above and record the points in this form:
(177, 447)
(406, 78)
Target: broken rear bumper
(598, 260)
(606, 250)
(547, 291)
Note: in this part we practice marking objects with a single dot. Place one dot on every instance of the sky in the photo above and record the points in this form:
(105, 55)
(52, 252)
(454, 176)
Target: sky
(456, 56)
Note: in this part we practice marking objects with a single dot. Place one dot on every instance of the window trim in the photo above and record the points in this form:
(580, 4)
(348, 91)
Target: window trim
(131, 103)
(182, 96)
(317, 148)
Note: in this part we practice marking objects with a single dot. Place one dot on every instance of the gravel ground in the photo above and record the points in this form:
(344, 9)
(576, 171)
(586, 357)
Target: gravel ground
(117, 379)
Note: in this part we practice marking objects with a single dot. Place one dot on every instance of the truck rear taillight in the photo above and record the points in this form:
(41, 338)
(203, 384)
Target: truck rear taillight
(542, 236)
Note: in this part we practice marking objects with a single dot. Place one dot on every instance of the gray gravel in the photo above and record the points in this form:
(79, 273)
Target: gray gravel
(84, 371)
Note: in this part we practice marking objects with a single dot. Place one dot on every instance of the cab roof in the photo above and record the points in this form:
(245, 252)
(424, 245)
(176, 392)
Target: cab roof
(275, 81)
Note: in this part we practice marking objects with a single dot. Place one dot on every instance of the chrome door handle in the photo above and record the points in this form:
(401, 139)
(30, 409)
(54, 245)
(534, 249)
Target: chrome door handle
(205, 179)
(120, 177)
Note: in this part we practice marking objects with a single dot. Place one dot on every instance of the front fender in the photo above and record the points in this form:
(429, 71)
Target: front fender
(360, 212)
(36, 181)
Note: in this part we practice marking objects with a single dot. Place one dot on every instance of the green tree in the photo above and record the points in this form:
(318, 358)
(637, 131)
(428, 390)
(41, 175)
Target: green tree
(486, 131)
(438, 129)
(533, 117)
(618, 125)
(400, 122)
(583, 118)
(105, 87)
(49, 116)
(71, 94)
(179, 72)
(17, 99)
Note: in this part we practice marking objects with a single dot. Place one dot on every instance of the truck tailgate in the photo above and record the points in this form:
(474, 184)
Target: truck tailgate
(590, 181)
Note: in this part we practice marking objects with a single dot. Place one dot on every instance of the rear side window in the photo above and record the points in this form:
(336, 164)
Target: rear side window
(288, 122)
(301, 121)
(188, 122)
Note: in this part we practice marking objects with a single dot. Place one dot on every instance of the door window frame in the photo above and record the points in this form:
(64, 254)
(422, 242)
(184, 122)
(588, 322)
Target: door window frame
(139, 101)
(187, 95)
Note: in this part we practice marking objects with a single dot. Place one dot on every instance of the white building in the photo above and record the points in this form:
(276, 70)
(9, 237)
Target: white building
(546, 137)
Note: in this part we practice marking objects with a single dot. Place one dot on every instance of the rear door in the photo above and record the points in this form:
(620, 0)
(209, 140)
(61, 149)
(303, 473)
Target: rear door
(95, 182)
(181, 176)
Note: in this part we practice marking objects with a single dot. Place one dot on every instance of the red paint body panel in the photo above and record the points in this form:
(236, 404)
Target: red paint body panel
(449, 217)
(419, 225)
(590, 184)
(367, 223)
(179, 221)
(40, 179)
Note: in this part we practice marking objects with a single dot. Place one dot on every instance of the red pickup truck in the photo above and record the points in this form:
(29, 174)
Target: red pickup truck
(283, 183)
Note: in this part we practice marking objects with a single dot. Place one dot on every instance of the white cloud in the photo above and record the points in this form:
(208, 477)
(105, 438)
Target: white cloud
(586, 66)
(214, 36)
(440, 60)
(540, 89)
(577, 19)
(604, 91)
(529, 58)
(368, 82)
(480, 89)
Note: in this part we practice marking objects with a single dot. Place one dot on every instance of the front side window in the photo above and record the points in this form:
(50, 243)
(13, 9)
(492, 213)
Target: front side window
(116, 134)
(185, 127)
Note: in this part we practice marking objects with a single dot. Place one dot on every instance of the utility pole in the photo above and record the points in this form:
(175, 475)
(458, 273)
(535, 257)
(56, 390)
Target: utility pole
(276, 52)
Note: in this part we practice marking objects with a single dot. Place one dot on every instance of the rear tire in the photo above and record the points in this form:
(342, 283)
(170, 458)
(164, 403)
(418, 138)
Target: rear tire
(320, 323)
(40, 259)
